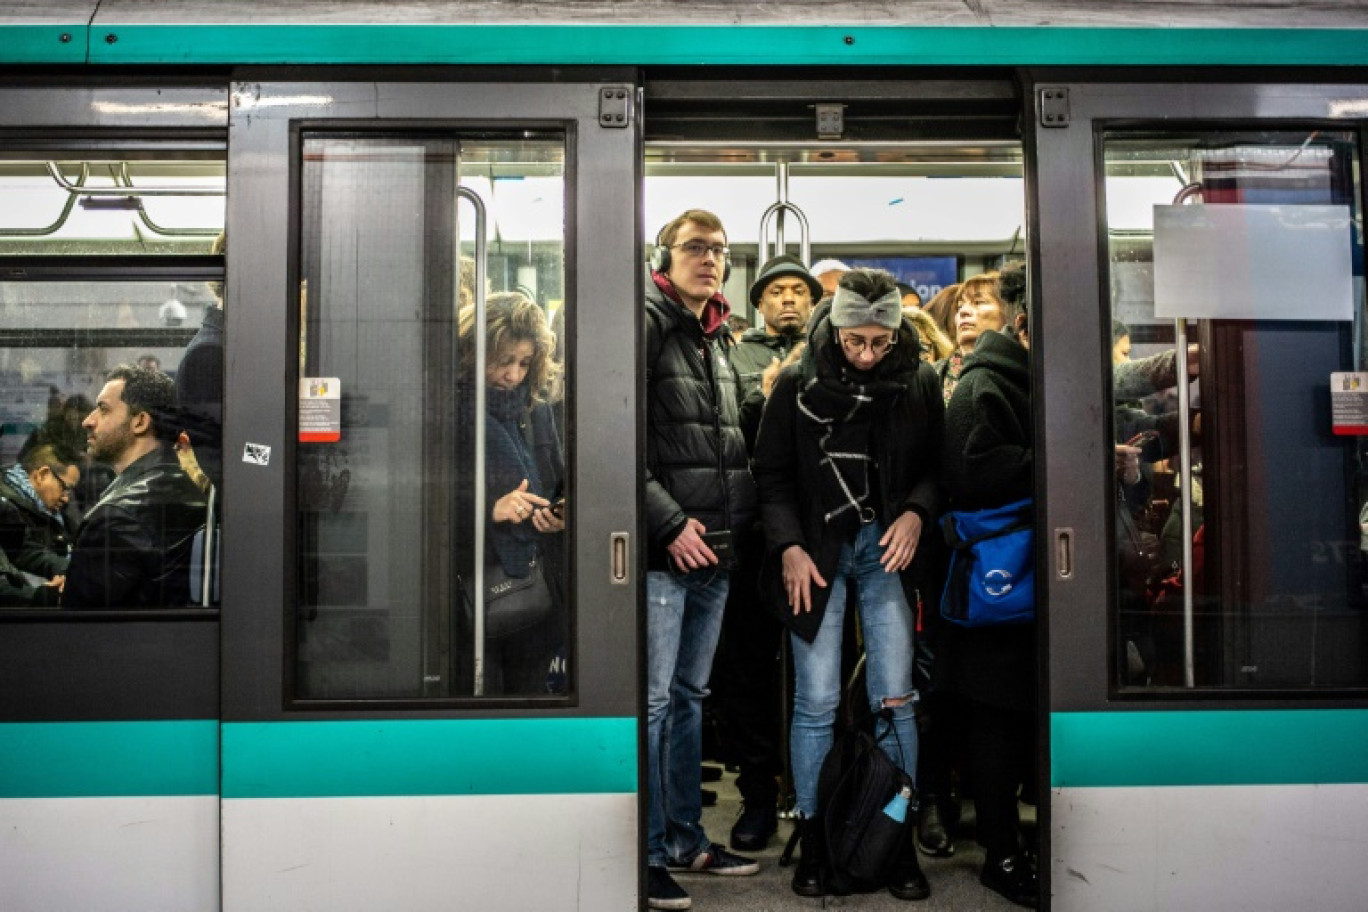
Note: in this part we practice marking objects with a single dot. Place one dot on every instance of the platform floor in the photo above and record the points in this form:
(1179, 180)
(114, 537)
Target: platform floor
(954, 880)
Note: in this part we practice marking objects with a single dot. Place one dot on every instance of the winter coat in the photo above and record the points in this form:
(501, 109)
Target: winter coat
(988, 462)
(133, 550)
(906, 444)
(751, 356)
(696, 463)
(34, 541)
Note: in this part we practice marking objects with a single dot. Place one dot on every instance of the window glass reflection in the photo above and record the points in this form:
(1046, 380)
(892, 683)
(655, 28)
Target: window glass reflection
(431, 566)
(1263, 587)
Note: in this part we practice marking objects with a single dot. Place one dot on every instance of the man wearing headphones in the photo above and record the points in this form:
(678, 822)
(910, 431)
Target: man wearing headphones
(698, 490)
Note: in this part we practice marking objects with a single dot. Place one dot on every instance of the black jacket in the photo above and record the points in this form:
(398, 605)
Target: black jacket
(696, 462)
(133, 550)
(34, 541)
(751, 356)
(907, 446)
(989, 462)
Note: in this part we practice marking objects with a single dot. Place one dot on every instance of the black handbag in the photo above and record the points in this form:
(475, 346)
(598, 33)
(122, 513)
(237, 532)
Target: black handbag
(512, 603)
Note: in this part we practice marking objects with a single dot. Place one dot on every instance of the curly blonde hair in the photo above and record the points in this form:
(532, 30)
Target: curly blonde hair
(511, 317)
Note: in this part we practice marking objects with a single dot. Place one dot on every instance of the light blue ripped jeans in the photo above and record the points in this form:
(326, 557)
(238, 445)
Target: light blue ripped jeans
(888, 627)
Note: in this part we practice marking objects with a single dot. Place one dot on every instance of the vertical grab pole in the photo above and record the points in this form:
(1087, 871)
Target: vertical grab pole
(782, 176)
(1185, 490)
(481, 358)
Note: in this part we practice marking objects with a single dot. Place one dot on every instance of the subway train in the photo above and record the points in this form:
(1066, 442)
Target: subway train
(319, 724)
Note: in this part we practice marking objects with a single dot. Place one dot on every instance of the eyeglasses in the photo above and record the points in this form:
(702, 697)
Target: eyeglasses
(698, 249)
(66, 488)
(855, 345)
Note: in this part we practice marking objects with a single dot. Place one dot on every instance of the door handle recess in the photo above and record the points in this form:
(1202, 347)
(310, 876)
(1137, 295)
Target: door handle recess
(619, 558)
(1064, 555)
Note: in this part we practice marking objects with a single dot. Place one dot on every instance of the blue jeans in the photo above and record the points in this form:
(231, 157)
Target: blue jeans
(888, 627)
(683, 622)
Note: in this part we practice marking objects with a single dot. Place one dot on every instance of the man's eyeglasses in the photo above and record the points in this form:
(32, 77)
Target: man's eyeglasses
(855, 345)
(698, 249)
(66, 488)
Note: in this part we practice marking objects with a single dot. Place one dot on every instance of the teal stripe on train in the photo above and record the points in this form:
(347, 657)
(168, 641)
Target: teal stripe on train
(429, 757)
(513, 43)
(88, 759)
(1209, 747)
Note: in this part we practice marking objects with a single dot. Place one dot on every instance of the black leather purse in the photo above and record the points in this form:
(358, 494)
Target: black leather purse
(512, 603)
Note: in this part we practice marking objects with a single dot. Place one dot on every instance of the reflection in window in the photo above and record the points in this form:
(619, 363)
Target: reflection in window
(429, 566)
(1272, 565)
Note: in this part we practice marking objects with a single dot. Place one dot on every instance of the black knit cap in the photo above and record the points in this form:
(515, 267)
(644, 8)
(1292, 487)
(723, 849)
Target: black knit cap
(785, 264)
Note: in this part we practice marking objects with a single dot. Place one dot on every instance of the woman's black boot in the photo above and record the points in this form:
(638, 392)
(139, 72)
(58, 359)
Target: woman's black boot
(908, 881)
(807, 877)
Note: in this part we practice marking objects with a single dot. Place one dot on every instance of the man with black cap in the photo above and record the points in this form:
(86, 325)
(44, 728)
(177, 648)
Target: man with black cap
(748, 662)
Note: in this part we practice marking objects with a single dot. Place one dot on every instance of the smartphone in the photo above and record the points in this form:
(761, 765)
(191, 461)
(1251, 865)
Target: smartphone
(558, 509)
(721, 545)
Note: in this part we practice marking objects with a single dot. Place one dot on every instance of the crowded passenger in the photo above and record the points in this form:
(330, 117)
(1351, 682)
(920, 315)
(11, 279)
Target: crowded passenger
(989, 463)
(828, 274)
(524, 483)
(199, 385)
(935, 345)
(941, 308)
(134, 546)
(35, 531)
(977, 309)
(698, 494)
(783, 294)
(846, 464)
(911, 298)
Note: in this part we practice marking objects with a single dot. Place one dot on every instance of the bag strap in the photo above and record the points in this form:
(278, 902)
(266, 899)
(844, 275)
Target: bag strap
(952, 537)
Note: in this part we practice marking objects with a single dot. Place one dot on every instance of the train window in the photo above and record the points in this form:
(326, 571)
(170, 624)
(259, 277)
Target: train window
(1236, 259)
(74, 203)
(108, 499)
(431, 482)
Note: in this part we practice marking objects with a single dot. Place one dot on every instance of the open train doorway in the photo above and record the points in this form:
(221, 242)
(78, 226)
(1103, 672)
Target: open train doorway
(923, 178)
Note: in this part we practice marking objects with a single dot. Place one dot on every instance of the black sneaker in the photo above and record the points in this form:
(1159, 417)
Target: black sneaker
(662, 892)
(716, 860)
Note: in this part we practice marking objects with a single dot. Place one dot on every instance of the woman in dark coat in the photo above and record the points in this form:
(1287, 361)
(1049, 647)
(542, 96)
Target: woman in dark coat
(845, 463)
(989, 462)
(524, 478)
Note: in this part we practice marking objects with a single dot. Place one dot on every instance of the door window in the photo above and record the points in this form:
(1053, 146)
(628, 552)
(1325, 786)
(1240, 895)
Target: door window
(1244, 249)
(431, 477)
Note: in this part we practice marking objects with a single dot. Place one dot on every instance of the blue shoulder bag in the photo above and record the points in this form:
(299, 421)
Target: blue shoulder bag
(992, 565)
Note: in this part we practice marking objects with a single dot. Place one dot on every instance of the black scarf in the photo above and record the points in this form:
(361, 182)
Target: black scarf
(841, 405)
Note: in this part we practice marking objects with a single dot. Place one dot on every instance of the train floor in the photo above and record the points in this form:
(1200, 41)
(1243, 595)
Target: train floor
(954, 880)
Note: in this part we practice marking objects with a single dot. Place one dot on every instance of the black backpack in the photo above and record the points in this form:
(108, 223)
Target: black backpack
(856, 783)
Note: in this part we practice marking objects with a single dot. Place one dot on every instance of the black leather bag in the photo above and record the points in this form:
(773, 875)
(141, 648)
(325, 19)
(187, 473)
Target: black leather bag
(512, 603)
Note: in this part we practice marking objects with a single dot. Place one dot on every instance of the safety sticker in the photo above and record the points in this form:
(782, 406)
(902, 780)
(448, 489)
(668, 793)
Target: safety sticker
(320, 410)
(1349, 403)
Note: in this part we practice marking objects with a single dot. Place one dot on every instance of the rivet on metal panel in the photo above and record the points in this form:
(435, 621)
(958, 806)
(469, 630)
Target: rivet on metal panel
(66, 38)
(615, 107)
(111, 38)
(1054, 107)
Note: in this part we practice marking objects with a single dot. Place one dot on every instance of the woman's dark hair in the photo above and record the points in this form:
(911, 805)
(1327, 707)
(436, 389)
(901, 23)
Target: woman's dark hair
(1119, 331)
(1012, 289)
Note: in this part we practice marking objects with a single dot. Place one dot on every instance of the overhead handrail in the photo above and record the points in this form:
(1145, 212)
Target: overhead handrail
(804, 242)
(61, 219)
(481, 358)
(56, 174)
(121, 178)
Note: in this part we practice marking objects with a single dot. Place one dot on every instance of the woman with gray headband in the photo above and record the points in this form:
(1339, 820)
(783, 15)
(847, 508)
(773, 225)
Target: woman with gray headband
(846, 466)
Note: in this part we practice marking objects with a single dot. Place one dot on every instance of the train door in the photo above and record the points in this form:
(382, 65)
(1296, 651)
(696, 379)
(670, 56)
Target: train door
(923, 177)
(430, 686)
(1200, 314)
(111, 196)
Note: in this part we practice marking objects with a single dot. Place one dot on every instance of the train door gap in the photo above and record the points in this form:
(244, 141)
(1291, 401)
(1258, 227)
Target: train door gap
(919, 181)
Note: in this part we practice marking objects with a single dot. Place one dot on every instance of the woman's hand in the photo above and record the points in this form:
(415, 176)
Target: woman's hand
(544, 519)
(799, 573)
(900, 542)
(518, 505)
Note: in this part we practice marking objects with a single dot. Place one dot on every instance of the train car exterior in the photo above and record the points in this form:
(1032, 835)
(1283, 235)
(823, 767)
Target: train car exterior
(314, 738)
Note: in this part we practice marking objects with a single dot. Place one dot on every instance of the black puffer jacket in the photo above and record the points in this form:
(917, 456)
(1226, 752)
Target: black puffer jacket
(906, 445)
(34, 541)
(696, 462)
(133, 550)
